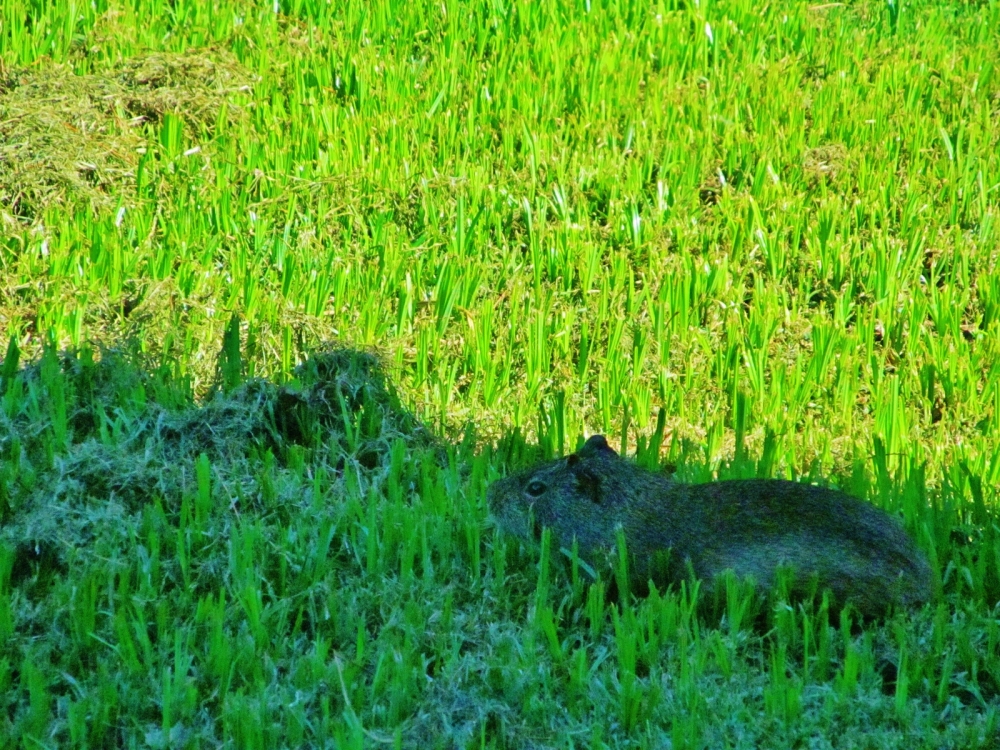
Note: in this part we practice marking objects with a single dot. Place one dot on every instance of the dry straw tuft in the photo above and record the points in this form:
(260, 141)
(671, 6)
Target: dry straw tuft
(73, 138)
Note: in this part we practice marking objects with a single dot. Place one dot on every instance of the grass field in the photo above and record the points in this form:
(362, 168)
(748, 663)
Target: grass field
(287, 285)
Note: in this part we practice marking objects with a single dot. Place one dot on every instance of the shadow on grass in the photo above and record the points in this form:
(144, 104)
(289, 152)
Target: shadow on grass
(90, 442)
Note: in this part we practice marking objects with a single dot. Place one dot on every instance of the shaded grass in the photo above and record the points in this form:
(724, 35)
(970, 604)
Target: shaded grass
(300, 563)
(114, 478)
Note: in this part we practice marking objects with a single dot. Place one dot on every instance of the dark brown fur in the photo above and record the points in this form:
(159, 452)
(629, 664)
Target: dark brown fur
(752, 526)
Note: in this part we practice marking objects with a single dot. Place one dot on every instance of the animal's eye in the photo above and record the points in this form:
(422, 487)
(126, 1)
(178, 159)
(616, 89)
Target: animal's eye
(536, 489)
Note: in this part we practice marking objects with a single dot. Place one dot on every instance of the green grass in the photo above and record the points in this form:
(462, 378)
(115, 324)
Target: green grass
(744, 240)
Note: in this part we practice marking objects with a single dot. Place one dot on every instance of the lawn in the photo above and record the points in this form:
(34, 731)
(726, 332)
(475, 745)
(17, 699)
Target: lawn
(284, 286)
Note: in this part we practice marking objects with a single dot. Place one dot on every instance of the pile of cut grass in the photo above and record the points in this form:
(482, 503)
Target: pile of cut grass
(68, 139)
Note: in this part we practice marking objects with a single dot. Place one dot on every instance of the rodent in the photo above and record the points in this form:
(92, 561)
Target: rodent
(752, 526)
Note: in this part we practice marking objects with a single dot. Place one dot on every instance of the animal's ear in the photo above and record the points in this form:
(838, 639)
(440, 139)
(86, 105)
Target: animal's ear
(588, 484)
(596, 445)
(572, 460)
